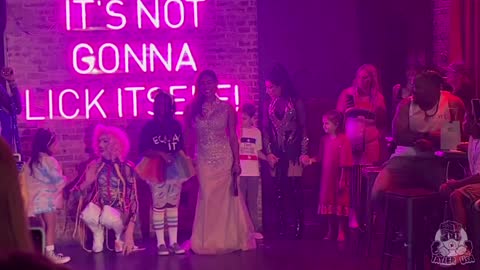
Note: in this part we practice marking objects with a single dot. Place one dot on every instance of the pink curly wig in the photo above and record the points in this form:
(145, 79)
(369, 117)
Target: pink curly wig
(119, 145)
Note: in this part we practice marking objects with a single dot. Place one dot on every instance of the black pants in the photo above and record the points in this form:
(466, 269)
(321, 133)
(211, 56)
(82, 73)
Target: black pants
(289, 196)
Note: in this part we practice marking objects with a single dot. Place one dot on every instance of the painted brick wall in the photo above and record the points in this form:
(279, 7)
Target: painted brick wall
(39, 47)
(441, 28)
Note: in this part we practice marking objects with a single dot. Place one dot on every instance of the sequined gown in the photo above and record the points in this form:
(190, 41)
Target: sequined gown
(221, 223)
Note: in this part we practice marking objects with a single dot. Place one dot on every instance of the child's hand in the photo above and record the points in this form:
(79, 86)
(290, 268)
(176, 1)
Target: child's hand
(272, 160)
(305, 160)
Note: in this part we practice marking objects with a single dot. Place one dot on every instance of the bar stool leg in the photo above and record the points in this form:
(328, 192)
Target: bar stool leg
(414, 261)
(387, 252)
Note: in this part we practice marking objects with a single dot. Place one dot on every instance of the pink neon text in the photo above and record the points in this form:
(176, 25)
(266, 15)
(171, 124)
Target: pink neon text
(118, 14)
(130, 102)
(109, 58)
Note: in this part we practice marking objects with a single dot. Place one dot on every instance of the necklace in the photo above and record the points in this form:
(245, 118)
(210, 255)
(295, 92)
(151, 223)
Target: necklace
(427, 115)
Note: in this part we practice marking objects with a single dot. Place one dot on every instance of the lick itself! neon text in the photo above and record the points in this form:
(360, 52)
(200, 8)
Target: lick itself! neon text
(129, 102)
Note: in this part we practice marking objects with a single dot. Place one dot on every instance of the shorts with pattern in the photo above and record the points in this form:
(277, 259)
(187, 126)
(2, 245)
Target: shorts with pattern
(166, 194)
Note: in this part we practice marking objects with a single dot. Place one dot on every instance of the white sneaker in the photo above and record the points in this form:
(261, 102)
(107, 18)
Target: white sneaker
(258, 236)
(57, 258)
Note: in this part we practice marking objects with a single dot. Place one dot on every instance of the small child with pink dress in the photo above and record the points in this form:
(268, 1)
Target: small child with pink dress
(335, 155)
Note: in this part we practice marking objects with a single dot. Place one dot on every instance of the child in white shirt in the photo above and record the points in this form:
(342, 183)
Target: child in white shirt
(250, 153)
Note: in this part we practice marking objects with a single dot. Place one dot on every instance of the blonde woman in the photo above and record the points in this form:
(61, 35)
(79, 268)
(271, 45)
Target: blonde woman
(365, 115)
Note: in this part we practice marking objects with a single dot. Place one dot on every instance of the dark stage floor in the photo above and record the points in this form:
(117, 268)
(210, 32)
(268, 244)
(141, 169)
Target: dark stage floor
(275, 255)
(278, 255)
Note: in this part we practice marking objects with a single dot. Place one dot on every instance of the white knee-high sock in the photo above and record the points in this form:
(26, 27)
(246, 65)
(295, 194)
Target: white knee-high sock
(158, 218)
(172, 222)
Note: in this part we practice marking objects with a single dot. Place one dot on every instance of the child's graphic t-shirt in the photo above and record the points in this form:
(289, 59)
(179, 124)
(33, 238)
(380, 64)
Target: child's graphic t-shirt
(165, 136)
(250, 144)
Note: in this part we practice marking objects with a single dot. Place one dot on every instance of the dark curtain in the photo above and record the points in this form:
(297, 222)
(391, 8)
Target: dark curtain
(3, 22)
(465, 36)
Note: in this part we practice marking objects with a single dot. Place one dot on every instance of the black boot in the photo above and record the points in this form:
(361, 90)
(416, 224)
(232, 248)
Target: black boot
(299, 225)
(298, 202)
(280, 205)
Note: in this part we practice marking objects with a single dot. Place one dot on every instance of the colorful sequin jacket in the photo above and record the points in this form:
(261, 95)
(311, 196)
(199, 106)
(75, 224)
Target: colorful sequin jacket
(284, 129)
(115, 185)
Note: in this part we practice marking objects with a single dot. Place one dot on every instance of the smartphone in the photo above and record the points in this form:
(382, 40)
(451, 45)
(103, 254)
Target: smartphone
(476, 110)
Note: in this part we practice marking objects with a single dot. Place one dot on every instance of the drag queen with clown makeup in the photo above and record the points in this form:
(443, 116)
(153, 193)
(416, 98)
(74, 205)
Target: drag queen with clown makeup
(110, 191)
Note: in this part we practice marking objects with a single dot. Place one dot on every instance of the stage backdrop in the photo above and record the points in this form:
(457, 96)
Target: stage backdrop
(83, 62)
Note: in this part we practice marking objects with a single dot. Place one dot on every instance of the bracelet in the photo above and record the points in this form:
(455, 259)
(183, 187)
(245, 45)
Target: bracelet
(304, 145)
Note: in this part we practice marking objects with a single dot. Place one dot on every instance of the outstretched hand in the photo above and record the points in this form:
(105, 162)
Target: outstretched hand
(128, 246)
(306, 160)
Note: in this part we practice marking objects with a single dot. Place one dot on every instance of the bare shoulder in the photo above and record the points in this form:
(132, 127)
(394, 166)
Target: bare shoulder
(453, 100)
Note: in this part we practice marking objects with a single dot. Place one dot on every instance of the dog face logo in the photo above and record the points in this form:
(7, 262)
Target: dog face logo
(451, 245)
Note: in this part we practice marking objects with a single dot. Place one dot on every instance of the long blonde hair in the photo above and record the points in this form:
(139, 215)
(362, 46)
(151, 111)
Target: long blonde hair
(375, 95)
(376, 83)
(14, 234)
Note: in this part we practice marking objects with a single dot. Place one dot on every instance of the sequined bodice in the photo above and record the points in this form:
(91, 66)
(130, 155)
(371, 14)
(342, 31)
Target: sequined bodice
(211, 130)
(288, 121)
(285, 130)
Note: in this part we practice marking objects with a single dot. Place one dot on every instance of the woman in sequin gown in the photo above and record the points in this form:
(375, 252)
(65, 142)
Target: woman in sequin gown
(221, 223)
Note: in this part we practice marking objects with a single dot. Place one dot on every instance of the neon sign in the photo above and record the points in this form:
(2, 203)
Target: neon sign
(125, 57)
(85, 103)
(147, 60)
(165, 13)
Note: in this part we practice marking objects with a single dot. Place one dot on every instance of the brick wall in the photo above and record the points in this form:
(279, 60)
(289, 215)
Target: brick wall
(39, 49)
(441, 29)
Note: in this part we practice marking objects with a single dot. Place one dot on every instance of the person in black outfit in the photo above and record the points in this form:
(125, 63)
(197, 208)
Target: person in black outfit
(286, 145)
(10, 107)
